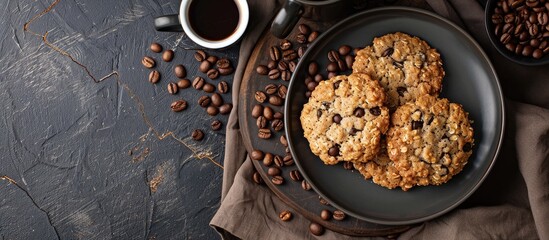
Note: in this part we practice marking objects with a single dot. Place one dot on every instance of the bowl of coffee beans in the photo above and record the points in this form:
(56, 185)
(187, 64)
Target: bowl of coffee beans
(519, 29)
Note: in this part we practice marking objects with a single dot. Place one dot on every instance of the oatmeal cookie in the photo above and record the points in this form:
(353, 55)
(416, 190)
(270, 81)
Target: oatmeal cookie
(407, 67)
(345, 118)
(429, 140)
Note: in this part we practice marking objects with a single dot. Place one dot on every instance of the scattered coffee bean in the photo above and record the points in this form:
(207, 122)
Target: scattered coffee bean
(277, 125)
(333, 151)
(325, 214)
(278, 161)
(223, 87)
(216, 125)
(282, 91)
(282, 65)
(205, 66)
(289, 55)
(212, 73)
(304, 29)
(257, 111)
(225, 108)
(223, 63)
(172, 88)
(226, 71)
(156, 47)
(167, 56)
(285, 44)
(348, 165)
(342, 65)
(323, 201)
(332, 74)
(274, 171)
(148, 62)
(264, 133)
(198, 83)
(180, 71)
(311, 86)
(204, 101)
(344, 50)
(312, 37)
(268, 159)
(271, 65)
(301, 51)
(332, 67)
(292, 65)
(262, 70)
(208, 87)
(183, 83)
(278, 115)
(197, 135)
(257, 178)
(359, 112)
(178, 105)
(349, 60)
(316, 229)
(154, 76)
(277, 180)
(276, 100)
(333, 56)
(274, 53)
(268, 113)
(318, 77)
(260, 96)
(217, 100)
(313, 68)
(211, 59)
(274, 74)
(257, 154)
(271, 89)
(200, 55)
(285, 75)
(308, 79)
(295, 176)
(339, 215)
(261, 122)
(283, 140)
(301, 38)
(305, 185)
(288, 160)
(285, 216)
(212, 110)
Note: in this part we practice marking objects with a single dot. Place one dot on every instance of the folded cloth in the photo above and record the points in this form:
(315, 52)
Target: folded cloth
(512, 203)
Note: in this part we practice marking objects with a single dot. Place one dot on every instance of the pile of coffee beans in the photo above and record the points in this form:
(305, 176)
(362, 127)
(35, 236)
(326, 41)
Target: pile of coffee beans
(340, 62)
(523, 26)
(212, 66)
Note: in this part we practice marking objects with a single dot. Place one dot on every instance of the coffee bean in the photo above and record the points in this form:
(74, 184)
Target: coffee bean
(333, 56)
(268, 159)
(282, 66)
(289, 55)
(208, 87)
(301, 38)
(204, 101)
(223, 63)
(325, 214)
(308, 79)
(497, 18)
(274, 74)
(217, 100)
(156, 47)
(183, 83)
(313, 68)
(376, 111)
(349, 60)
(213, 73)
(509, 18)
(268, 113)
(308, 94)
(274, 52)
(226, 71)
(338, 215)
(179, 105)
(271, 89)
(180, 71)
(261, 122)
(277, 125)
(331, 74)
(288, 160)
(292, 65)
(278, 161)
(154, 76)
(318, 78)
(538, 53)
(519, 48)
(301, 51)
(543, 18)
(527, 51)
(167, 56)
(260, 96)
(205, 66)
(283, 140)
(342, 65)
(417, 125)
(197, 135)
(282, 91)
(262, 70)
(332, 67)
(285, 75)
(257, 178)
(312, 37)
(316, 229)
(148, 62)
(305, 185)
(278, 115)
(223, 87)
(348, 165)
(216, 125)
(274, 171)
(285, 216)
(257, 154)
(225, 108)
(264, 133)
(304, 29)
(257, 111)
(212, 110)
(287, 150)
(285, 44)
(505, 38)
(359, 112)
(271, 65)
(295, 176)
(323, 201)
(200, 55)
(172, 88)
(277, 180)
(312, 85)
(333, 151)
(344, 50)
(211, 59)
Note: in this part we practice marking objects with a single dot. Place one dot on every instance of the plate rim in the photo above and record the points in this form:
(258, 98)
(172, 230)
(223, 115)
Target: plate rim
(497, 89)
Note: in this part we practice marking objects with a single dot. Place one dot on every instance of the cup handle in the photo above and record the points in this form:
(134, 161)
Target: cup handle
(286, 19)
(168, 23)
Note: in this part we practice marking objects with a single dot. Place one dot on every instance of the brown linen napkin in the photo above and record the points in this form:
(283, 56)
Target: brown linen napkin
(513, 202)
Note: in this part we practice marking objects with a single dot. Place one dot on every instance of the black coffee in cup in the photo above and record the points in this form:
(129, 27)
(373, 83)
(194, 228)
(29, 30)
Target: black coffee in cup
(213, 20)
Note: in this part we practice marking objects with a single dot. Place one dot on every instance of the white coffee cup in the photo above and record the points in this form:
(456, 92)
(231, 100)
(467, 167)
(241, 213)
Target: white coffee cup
(196, 15)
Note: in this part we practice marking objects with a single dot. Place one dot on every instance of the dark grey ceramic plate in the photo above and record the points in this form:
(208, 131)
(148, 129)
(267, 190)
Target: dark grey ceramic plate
(470, 80)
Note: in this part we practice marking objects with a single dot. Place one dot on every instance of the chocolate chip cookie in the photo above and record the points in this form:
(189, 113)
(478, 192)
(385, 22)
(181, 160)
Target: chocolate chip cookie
(406, 66)
(345, 118)
(429, 140)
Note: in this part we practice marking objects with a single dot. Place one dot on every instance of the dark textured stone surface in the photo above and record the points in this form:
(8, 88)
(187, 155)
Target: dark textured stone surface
(66, 139)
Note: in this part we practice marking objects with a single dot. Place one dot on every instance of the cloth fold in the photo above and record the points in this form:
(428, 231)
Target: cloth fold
(512, 203)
